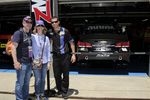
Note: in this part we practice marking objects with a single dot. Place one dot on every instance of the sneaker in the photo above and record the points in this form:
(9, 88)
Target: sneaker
(29, 98)
(64, 95)
(44, 98)
(59, 93)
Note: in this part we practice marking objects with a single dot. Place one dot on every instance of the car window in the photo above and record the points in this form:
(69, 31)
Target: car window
(99, 29)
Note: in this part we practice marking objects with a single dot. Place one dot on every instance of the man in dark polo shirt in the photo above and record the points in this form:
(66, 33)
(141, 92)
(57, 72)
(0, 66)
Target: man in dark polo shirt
(22, 57)
(61, 56)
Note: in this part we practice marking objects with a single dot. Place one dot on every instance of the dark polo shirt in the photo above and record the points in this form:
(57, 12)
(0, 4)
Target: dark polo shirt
(61, 41)
(23, 40)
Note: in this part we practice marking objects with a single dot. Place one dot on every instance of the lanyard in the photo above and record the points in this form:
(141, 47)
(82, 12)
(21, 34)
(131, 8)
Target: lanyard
(41, 46)
(27, 37)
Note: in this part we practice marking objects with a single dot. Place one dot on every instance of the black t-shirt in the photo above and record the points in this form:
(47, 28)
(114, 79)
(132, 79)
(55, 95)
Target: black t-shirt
(24, 40)
(61, 41)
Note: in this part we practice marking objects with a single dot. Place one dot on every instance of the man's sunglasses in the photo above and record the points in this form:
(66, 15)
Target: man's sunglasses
(54, 22)
(28, 21)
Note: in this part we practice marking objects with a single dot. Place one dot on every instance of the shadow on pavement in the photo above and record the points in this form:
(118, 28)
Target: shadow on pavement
(6, 92)
(86, 98)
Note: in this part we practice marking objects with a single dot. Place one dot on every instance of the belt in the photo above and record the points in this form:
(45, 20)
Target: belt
(58, 53)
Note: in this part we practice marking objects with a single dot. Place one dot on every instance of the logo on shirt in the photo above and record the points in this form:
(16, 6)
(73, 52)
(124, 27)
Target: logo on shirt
(61, 33)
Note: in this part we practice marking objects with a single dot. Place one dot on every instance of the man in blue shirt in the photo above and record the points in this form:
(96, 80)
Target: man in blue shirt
(22, 58)
(61, 56)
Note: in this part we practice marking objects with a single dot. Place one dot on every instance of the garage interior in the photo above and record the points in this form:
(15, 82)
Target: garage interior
(75, 14)
(134, 15)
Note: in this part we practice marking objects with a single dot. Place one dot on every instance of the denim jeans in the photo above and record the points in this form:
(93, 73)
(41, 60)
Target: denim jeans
(40, 75)
(23, 80)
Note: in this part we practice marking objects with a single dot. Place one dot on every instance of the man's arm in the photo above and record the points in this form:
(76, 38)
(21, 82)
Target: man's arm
(73, 57)
(17, 65)
(72, 46)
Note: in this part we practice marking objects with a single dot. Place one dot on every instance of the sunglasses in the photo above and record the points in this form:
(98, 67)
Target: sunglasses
(30, 22)
(54, 22)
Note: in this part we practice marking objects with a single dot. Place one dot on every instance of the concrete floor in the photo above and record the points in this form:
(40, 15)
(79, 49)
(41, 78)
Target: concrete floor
(88, 87)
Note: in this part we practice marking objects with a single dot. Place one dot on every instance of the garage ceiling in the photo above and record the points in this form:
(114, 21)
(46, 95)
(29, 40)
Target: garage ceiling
(13, 1)
(14, 9)
(97, 1)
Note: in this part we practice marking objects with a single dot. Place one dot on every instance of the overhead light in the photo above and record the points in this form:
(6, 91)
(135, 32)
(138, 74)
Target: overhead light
(144, 20)
(100, 4)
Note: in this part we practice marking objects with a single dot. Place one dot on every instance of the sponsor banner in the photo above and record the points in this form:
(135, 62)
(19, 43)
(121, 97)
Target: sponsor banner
(41, 9)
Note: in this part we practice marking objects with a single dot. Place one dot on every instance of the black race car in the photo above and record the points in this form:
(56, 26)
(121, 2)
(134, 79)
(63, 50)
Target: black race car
(103, 42)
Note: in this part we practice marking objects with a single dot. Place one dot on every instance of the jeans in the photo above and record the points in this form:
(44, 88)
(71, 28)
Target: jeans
(40, 75)
(23, 80)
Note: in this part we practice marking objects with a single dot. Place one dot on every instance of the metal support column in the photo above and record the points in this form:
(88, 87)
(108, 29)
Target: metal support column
(55, 7)
(49, 92)
(148, 65)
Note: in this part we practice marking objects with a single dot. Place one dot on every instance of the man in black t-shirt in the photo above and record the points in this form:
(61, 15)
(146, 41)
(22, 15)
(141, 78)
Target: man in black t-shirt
(22, 57)
(61, 57)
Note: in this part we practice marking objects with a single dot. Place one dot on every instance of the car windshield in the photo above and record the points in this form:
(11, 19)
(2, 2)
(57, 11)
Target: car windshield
(100, 29)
